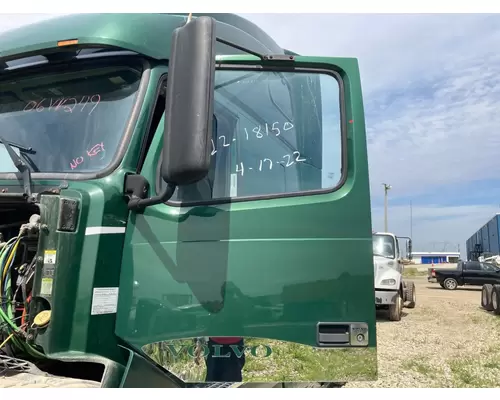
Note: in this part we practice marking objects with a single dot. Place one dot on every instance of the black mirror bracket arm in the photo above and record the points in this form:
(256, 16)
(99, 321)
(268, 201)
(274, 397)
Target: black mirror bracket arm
(137, 203)
(136, 189)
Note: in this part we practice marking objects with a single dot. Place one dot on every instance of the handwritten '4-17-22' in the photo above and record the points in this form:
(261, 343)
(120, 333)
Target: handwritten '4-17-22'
(266, 164)
(67, 104)
(260, 131)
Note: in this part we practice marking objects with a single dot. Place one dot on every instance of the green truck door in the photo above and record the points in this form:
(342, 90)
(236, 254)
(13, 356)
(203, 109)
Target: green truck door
(273, 246)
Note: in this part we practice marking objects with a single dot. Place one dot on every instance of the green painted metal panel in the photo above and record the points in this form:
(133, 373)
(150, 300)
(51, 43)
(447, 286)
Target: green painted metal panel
(220, 270)
(147, 34)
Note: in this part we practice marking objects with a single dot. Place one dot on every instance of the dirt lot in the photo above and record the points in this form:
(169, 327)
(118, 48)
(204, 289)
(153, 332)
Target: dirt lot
(447, 340)
(36, 381)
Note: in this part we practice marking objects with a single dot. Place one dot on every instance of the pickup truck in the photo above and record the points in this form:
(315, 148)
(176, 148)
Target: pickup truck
(473, 273)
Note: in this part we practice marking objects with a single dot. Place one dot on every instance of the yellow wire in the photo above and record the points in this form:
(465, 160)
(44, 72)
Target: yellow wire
(6, 340)
(11, 255)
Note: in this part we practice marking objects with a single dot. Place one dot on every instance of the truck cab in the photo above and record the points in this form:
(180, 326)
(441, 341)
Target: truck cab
(391, 289)
(170, 177)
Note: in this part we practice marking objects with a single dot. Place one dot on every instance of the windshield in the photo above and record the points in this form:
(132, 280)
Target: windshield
(73, 120)
(383, 245)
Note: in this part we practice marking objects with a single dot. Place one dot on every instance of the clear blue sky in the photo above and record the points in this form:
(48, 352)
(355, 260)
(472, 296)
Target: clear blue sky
(431, 85)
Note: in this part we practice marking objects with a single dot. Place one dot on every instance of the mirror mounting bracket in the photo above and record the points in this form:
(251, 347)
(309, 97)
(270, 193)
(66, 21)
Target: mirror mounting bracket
(167, 193)
(263, 57)
(279, 57)
(137, 187)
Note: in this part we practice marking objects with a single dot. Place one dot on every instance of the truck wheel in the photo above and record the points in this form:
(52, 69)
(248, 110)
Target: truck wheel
(495, 299)
(486, 292)
(450, 284)
(411, 295)
(396, 309)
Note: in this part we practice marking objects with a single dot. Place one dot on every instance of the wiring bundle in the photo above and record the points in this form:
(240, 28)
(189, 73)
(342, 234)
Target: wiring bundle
(16, 282)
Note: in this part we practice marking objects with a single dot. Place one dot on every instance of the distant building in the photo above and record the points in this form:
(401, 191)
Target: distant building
(485, 241)
(435, 257)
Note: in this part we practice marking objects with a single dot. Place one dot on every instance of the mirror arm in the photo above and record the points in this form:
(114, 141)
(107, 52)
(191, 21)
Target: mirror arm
(164, 196)
(263, 57)
(241, 48)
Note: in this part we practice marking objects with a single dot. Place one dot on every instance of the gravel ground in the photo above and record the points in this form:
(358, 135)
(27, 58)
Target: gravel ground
(447, 340)
(36, 381)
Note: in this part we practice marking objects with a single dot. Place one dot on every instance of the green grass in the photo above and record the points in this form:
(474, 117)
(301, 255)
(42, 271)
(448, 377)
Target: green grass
(476, 319)
(289, 362)
(481, 370)
(420, 365)
(411, 271)
(476, 372)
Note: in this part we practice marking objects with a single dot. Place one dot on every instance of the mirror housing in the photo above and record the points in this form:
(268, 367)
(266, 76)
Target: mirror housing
(188, 109)
(189, 103)
(410, 256)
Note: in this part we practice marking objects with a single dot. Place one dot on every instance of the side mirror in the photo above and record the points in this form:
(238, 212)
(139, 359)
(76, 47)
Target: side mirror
(188, 109)
(189, 103)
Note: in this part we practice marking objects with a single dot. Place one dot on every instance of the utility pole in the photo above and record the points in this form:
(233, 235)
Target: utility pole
(411, 221)
(387, 187)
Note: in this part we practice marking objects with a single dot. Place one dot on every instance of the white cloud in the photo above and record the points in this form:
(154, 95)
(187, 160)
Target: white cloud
(447, 137)
(392, 49)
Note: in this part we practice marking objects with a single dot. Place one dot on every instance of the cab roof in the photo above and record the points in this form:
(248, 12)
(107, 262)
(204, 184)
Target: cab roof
(147, 34)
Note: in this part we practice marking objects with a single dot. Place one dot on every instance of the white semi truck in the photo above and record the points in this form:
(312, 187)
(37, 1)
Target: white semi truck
(391, 290)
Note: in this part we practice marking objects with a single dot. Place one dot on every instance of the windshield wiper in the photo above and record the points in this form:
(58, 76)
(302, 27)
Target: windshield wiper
(22, 148)
(19, 163)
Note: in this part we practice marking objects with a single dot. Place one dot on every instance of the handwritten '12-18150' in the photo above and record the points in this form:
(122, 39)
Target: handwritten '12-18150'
(259, 130)
(68, 104)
